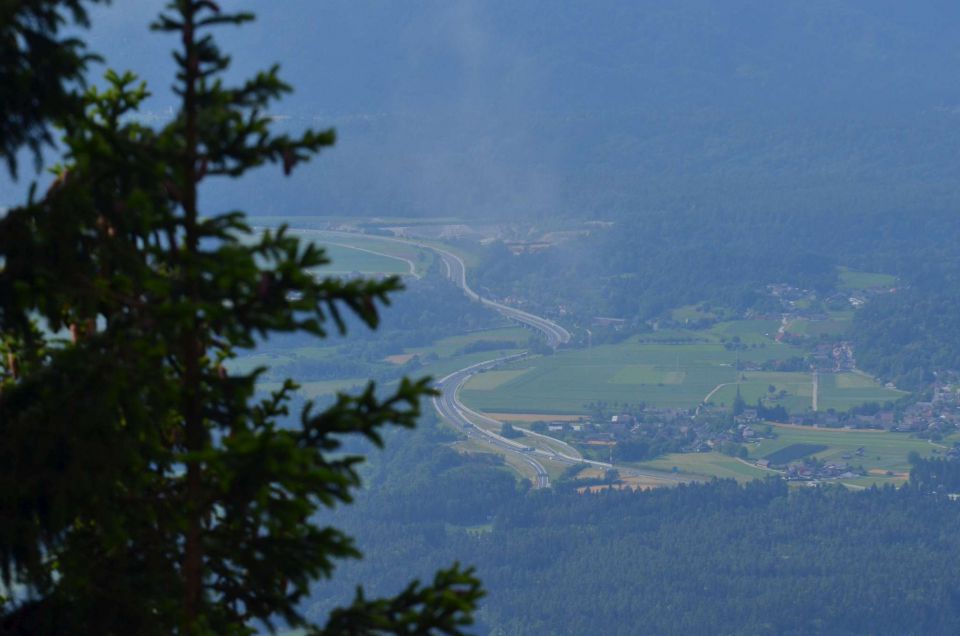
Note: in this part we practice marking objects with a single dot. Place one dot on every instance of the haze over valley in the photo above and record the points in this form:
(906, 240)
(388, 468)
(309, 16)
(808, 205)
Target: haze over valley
(676, 287)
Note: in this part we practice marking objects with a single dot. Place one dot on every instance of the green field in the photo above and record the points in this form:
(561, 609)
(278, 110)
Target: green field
(814, 328)
(850, 279)
(421, 256)
(668, 368)
(320, 221)
(749, 331)
(755, 384)
(449, 346)
(645, 368)
(697, 312)
(884, 458)
(840, 391)
(318, 388)
(883, 450)
(489, 380)
(707, 465)
(793, 452)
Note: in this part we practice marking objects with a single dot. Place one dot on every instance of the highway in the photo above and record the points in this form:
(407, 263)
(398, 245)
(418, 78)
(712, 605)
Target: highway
(448, 403)
(457, 272)
(450, 408)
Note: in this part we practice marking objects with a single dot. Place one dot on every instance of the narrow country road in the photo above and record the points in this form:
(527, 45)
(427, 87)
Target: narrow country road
(815, 393)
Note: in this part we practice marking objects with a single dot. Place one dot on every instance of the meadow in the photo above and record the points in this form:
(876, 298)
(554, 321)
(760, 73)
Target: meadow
(346, 260)
(884, 458)
(883, 451)
(851, 279)
(674, 368)
(707, 465)
(841, 391)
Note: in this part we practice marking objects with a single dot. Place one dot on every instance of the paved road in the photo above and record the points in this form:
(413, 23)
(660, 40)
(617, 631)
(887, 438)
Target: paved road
(815, 395)
(449, 406)
(457, 272)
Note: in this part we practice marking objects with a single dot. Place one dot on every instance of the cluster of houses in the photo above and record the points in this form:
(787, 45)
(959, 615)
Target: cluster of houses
(926, 419)
(707, 431)
(789, 295)
(814, 471)
(833, 357)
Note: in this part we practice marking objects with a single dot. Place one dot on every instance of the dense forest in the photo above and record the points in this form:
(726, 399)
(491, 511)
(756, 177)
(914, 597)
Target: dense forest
(904, 337)
(645, 265)
(529, 109)
(714, 558)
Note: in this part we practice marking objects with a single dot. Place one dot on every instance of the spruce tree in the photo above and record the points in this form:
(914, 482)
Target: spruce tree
(144, 488)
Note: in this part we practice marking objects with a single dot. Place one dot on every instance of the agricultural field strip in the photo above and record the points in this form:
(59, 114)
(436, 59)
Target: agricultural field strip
(883, 451)
(410, 264)
(714, 390)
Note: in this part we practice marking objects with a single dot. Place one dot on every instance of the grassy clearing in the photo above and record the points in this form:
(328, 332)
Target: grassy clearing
(707, 465)
(325, 220)
(338, 247)
(319, 388)
(696, 312)
(883, 451)
(525, 419)
(814, 328)
(646, 374)
(749, 331)
(850, 279)
(453, 345)
(490, 380)
(884, 457)
(756, 384)
(349, 261)
(794, 452)
(840, 391)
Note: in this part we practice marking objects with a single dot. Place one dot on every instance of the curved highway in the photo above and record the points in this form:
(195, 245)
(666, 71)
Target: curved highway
(450, 408)
(457, 272)
(448, 403)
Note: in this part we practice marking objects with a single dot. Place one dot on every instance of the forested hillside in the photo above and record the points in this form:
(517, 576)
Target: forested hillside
(534, 109)
(639, 267)
(716, 558)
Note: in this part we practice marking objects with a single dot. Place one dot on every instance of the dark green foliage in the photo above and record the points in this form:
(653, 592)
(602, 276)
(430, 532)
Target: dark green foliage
(643, 266)
(776, 413)
(507, 430)
(143, 488)
(715, 558)
(40, 70)
(934, 475)
(906, 336)
(650, 441)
